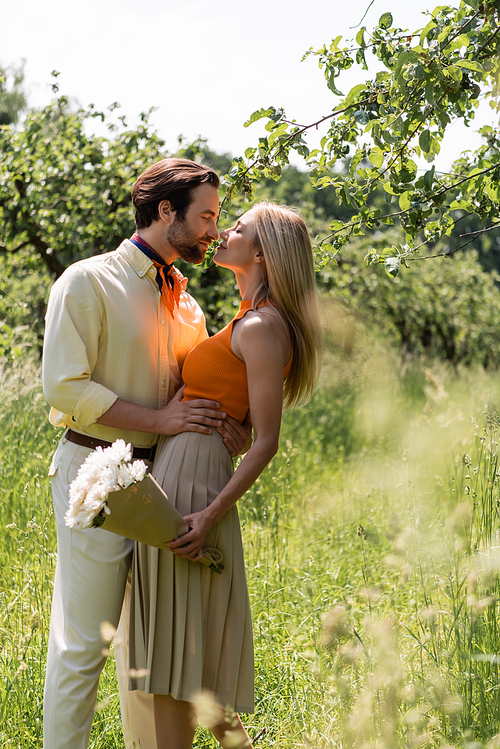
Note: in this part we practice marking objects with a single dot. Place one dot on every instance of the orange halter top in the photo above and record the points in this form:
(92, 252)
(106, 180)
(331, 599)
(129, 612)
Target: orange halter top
(212, 371)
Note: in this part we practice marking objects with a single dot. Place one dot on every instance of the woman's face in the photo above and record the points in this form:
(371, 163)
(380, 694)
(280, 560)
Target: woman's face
(237, 249)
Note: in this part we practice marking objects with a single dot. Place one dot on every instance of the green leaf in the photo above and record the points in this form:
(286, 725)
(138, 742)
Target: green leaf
(444, 33)
(404, 57)
(435, 146)
(98, 520)
(425, 31)
(280, 130)
(429, 93)
(469, 65)
(429, 177)
(258, 115)
(376, 156)
(392, 266)
(385, 21)
(355, 161)
(371, 257)
(407, 173)
(353, 93)
(389, 188)
(388, 137)
(331, 83)
(361, 59)
(334, 45)
(492, 191)
(425, 141)
(404, 201)
(360, 37)
(462, 41)
(361, 116)
(454, 72)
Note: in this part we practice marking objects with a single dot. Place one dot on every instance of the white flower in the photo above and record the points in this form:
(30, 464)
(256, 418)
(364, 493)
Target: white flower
(104, 471)
(109, 477)
(125, 477)
(119, 452)
(138, 469)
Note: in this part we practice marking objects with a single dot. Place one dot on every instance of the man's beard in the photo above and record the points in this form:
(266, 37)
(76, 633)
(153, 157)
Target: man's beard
(185, 242)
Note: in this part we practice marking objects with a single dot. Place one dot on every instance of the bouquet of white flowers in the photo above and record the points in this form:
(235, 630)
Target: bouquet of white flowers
(104, 471)
(112, 491)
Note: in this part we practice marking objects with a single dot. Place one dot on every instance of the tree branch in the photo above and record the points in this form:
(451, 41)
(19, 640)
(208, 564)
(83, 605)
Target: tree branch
(482, 231)
(323, 119)
(364, 16)
(58, 200)
(295, 135)
(5, 249)
(487, 42)
(51, 261)
(466, 179)
(460, 30)
(443, 254)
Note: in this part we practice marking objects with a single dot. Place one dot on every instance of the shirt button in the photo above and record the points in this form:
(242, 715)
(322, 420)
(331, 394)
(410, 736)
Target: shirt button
(164, 383)
(163, 322)
(163, 353)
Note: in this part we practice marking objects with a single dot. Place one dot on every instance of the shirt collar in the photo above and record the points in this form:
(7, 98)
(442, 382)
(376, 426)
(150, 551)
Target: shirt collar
(140, 262)
(137, 260)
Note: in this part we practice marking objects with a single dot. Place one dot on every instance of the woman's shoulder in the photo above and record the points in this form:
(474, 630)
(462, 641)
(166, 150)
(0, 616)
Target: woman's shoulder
(267, 320)
(262, 328)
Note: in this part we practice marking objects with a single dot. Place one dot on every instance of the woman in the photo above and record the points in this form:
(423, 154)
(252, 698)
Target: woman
(191, 628)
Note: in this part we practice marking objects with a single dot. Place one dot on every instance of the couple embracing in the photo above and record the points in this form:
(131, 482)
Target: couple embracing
(126, 355)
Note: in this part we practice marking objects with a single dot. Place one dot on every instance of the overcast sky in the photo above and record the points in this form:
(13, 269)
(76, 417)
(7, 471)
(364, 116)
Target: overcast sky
(205, 66)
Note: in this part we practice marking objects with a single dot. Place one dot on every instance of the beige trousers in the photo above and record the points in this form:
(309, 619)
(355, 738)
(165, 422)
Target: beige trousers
(89, 588)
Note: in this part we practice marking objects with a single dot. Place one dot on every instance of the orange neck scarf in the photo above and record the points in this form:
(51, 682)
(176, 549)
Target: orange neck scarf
(170, 281)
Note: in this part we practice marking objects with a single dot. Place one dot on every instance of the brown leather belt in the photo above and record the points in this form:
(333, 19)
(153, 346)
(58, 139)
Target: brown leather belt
(138, 453)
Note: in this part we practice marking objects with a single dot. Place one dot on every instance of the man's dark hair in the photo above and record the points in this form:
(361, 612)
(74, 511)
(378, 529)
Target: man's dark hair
(173, 180)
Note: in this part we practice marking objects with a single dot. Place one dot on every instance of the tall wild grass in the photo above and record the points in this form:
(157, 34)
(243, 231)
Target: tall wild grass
(372, 552)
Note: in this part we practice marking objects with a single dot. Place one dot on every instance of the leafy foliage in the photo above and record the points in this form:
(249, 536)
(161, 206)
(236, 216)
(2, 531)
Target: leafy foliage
(65, 193)
(448, 308)
(12, 94)
(24, 286)
(431, 77)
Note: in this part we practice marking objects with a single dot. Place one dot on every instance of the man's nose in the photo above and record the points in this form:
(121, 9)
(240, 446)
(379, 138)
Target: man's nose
(213, 231)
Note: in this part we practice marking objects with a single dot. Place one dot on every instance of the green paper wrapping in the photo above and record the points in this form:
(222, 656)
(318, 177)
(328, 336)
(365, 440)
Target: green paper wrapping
(143, 513)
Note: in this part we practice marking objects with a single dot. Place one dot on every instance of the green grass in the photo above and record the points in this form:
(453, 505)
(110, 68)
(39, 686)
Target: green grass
(372, 554)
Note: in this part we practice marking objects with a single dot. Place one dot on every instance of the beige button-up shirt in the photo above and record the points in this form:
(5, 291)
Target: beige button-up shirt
(110, 335)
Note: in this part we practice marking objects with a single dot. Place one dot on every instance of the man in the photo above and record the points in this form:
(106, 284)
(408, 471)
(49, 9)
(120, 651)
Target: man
(118, 329)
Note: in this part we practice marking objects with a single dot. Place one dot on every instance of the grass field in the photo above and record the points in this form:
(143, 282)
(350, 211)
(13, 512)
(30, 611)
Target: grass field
(373, 567)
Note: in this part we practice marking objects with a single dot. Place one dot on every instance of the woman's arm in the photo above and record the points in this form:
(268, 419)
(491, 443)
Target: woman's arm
(262, 347)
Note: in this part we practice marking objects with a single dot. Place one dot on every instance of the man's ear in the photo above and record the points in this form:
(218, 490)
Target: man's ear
(165, 211)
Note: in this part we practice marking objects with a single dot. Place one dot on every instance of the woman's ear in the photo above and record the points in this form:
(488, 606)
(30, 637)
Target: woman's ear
(259, 256)
(165, 211)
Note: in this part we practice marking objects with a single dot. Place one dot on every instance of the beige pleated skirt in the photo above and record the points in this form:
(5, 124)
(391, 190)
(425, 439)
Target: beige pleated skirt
(190, 628)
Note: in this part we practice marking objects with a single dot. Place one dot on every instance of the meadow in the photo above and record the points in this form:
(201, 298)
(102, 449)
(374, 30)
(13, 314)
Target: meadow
(372, 552)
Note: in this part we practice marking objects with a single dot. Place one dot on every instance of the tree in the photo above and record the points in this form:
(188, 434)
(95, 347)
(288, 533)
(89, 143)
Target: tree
(64, 193)
(448, 310)
(12, 94)
(430, 78)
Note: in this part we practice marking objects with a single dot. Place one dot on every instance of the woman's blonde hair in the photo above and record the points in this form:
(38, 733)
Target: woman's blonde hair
(290, 284)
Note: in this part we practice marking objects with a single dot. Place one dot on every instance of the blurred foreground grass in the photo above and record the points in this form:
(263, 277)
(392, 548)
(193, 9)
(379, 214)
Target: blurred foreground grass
(372, 553)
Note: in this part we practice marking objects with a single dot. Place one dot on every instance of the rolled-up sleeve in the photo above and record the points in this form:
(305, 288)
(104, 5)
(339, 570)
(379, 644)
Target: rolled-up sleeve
(71, 345)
